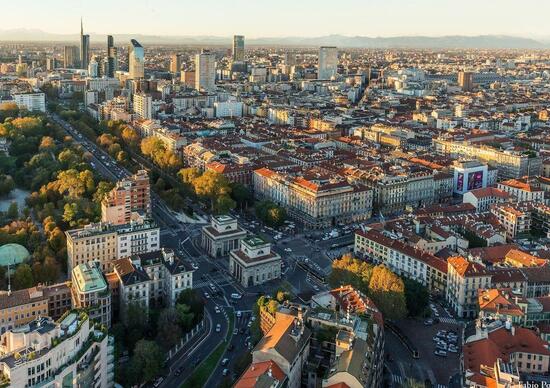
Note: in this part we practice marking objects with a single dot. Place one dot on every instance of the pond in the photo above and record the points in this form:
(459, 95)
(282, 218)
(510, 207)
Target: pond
(16, 195)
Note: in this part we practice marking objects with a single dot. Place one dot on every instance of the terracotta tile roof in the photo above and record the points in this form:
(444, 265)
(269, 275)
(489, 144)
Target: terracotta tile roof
(501, 343)
(498, 301)
(466, 268)
(258, 370)
(490, 192)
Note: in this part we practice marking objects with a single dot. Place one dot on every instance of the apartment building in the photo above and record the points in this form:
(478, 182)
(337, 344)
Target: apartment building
(34, 102)
(152, 278)
(483, 198)
(105, 243)
(516, 220)
(317, 202)
(90, 291)
(222, 236)
(464, 279)
(520, 347)
(143, 106)
(20, 307)
(523, 189)
(132, 194)
(69, 352)
(286, 344)
(510, 164)
(254, 263)
(402, 259)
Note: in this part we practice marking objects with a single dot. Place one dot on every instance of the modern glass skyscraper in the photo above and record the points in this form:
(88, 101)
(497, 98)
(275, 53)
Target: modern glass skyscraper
(238, 48)
(84, 48)
(205, 71)
(111, 57)
(328, 62)
(136, 60)
(70, 56)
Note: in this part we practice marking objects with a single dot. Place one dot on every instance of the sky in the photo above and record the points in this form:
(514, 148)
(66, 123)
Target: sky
(280, 18)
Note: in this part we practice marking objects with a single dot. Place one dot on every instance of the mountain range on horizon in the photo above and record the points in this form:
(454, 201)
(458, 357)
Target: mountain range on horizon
(451, 41)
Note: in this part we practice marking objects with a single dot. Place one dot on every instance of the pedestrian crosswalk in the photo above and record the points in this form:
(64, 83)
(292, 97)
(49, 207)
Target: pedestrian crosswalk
(451, 321)
(399, 381)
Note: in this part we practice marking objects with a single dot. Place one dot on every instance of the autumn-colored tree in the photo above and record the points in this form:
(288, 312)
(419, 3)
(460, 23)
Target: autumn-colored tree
(188, 175)
(130, 136)
(213, 186)
(352, 271)
(46, 144)
(388, 292)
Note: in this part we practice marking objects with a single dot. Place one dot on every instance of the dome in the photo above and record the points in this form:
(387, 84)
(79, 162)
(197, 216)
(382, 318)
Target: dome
(13, 254)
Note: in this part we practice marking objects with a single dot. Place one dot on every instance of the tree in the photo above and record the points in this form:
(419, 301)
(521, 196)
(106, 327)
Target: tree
(388, 292)
(188, 175)
(136, 324)
(168, 330)
(148, 360)
(241, 194)
(7, 184)
(270, 213)
(350, 271)
(192, 299)
(23, 277)
(13, 211)
(224, 203)
(212, 185)
(130, 136)
(46, 144)
(416, 296)
(185, 316)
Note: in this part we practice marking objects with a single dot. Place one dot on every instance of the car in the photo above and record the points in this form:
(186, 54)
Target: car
(249, 324)
(177, 372)
(428, 322)
(225, 361)
(236, 295)
(452, 349)
(288, 249)
(441, 346)
(230, 347)
(206, 295)
(242, 330)
(225, 372)
(217, 310)
(158, 382)
(440, 353)
(239, 314)
(236, 331)
(218, 328)
(212, 287)
(195, 266)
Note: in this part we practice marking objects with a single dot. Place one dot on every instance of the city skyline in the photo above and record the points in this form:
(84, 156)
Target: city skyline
(307, 19)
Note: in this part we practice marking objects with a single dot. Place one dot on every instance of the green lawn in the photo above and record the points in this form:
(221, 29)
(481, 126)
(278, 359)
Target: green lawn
(206, 368)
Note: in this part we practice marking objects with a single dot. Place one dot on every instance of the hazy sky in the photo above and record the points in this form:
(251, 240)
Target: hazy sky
(262, 18)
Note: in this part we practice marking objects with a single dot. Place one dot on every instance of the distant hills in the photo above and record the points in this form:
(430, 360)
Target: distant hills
(454, 41)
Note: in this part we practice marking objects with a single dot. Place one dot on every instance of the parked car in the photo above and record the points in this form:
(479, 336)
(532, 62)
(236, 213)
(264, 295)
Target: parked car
(428, 322)
(218, 328)
(225, 361)
(440, 353)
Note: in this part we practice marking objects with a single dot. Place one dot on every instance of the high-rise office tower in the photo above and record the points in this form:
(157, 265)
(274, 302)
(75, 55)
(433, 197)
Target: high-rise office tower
(205, 71)
(175, 63)
(466, 80)
(238, 48)
(328, 62)
(111, 57)
(136, 60)
(51, 64)
(84, 48)
(93, 68)
(70, 56)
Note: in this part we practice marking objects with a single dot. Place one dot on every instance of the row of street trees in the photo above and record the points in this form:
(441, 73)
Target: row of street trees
(395, 297)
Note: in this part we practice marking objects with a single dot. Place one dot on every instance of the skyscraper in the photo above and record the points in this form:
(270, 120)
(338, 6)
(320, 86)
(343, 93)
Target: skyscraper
(111, 57)
(70, 56)
(466, 80)
(328, 62)
(205, 71)
(175, 63)
(136, 60)
(84, 47)
(238, 48)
